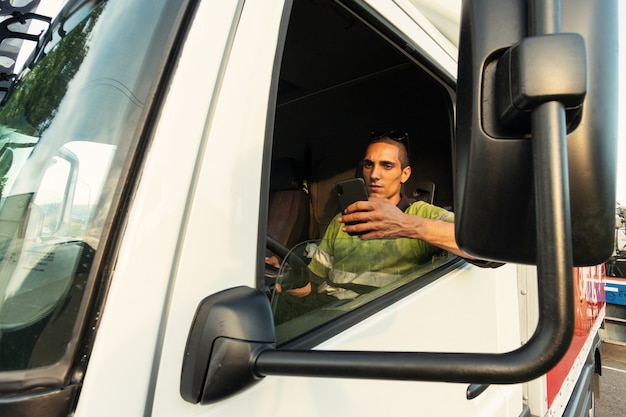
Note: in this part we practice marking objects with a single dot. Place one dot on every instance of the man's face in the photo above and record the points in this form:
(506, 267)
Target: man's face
(383, 172)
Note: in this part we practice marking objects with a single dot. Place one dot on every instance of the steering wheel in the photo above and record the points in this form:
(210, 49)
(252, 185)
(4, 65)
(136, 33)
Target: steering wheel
(271, 272)
(276, 247)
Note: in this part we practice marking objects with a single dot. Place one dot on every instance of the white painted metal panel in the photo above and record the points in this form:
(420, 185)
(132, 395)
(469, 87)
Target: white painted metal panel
(121, 367)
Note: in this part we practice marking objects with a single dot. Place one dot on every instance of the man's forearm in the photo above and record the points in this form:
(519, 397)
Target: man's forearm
(436, 232)
(380, 219)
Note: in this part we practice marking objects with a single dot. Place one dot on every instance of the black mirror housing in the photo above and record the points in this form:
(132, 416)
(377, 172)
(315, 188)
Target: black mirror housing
(502, 76)
(229, 328)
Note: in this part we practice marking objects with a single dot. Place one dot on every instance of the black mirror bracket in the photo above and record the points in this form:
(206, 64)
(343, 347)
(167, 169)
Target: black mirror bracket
(540, 69)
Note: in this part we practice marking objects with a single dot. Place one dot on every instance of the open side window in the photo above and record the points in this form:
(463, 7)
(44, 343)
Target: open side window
(340, 79)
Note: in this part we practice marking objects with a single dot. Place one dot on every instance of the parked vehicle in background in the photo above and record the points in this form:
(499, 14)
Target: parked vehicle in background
(615, 327)
(153, 153)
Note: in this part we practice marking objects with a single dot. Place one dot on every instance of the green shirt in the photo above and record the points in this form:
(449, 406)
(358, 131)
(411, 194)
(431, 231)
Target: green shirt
(342, 258)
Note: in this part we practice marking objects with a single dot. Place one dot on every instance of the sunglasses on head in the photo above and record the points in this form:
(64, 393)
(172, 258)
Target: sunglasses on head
(397, 135)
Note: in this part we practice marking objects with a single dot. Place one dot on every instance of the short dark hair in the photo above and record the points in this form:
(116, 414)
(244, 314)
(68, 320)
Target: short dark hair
(398, 139)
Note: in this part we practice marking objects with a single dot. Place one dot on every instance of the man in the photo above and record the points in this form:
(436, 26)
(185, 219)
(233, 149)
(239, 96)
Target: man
(375, 242)
(379, 218)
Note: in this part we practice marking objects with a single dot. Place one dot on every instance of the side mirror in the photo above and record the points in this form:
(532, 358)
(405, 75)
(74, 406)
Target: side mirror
(229, 330)
(504, 75)
(514, 189)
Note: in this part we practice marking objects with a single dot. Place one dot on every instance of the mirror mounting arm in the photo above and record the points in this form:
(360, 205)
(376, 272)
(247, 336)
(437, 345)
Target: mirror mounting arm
(230, 348)
(231, 341)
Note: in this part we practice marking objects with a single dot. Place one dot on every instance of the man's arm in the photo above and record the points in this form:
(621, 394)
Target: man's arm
(378, 218)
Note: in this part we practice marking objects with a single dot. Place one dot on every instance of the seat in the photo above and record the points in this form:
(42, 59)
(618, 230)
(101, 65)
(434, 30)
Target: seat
(289, 206)
(324, 203)
(423, 190)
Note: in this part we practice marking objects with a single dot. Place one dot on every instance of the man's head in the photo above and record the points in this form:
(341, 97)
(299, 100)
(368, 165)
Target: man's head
(386, 167)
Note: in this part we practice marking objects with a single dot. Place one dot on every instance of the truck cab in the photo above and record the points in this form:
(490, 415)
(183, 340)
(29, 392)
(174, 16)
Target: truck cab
(156, 155)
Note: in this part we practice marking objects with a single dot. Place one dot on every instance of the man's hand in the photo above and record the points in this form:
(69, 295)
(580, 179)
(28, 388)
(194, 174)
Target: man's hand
(378, 218)
(273, 261)
(295, 292)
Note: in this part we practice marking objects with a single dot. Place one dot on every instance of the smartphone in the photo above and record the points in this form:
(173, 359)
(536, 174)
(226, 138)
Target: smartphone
(350, 191)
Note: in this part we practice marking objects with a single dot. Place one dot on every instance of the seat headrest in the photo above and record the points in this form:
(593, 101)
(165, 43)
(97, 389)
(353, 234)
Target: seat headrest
(284, 175)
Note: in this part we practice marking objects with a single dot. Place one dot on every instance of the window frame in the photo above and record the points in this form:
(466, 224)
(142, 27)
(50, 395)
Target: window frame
(376, 22)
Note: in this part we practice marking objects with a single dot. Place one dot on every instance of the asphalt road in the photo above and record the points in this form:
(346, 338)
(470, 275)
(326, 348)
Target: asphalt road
(612, 401)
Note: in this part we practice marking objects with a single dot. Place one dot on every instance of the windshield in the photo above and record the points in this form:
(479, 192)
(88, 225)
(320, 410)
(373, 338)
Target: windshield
(68, 128)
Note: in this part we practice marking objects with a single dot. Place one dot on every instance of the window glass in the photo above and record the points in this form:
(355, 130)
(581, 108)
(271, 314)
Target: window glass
(295, 314)
(69, 187)
(68, 129)
(339, 81)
